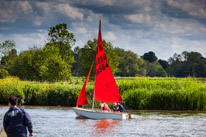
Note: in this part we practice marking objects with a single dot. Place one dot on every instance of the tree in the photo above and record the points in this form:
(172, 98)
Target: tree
(200, 68)
(63, 40)
(76, 66)
(51, 66)
(163, 63)
(155, 69)
(24, 65)
(187, 64)
(88, 55)
(176, 66)
(150, 56)
(6, 61)
(6, 47)
(3, 73)
(130, 64)
(41, 64)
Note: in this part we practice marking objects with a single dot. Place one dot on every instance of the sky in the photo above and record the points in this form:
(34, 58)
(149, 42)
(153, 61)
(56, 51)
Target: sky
(162, 26)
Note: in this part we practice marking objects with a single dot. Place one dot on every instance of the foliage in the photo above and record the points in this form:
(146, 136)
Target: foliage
(163, 63)
(41, 64)
(76, 66)
(24, 65)
(3, 73)
(9, 87)
(150, 56)
(130, 64)
(187, 64)
(51, 66)
(64, 40)
(154, 69)
(8, 60)
(6, 47)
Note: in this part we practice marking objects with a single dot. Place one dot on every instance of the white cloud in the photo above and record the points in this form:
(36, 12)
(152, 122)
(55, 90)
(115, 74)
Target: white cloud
(37, 38)
(99, 2)
(44, 6)
(46, 13)
(11, 11)
(82, 30)
(177, 26)
(119, 3)
(92, 16)
(177, 45)
(195, 8)
(38, 20)
(109, 36)
(139, 18)
(25, 41)
(80, 43)
(71, 12)
(7, 15)
(25, 7)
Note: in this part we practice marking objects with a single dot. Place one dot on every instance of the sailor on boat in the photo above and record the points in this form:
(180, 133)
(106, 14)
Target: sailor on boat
(104, 107)
(117, 107)
(121, 108)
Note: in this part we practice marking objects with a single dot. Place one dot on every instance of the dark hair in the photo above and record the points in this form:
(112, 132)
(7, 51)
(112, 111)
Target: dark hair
(13, 100)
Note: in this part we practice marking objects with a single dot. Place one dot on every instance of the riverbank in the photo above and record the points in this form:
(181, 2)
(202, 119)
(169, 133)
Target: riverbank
(139, 93)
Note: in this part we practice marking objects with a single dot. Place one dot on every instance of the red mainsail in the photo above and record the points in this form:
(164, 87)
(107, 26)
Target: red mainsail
(105, 89)
(82, 99)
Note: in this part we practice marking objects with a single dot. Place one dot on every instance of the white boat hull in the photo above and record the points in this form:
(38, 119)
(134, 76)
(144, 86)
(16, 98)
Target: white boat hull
(93, 114)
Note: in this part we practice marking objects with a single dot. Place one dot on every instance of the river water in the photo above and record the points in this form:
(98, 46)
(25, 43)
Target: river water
(62, 122)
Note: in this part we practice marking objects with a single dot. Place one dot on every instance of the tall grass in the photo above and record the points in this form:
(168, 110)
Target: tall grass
(179, 94)
(137, 93)
(36, 93)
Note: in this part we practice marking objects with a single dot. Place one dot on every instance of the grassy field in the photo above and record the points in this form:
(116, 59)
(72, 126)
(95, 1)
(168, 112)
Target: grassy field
(137, 92)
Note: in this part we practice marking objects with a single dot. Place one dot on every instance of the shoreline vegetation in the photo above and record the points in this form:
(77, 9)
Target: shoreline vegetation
(138, 93)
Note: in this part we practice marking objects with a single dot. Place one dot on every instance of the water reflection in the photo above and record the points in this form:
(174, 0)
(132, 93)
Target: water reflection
(104, 127)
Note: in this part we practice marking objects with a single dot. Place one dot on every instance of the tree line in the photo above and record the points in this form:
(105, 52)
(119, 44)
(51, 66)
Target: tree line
(57, 61)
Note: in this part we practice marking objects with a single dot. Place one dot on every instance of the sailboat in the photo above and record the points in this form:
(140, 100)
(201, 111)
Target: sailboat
(105, 88)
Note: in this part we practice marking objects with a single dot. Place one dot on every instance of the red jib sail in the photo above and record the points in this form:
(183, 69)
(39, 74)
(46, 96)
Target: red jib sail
(105, 89)
(82, 99)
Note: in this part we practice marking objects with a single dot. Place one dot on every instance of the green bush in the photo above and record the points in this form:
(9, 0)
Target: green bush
(10, 88)
(3, 73)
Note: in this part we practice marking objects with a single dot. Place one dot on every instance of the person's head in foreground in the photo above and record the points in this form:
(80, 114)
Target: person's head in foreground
(12, 101)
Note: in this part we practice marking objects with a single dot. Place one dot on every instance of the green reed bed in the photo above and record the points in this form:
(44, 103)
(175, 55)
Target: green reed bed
(139, 93)
(176, 94)
(37, 93)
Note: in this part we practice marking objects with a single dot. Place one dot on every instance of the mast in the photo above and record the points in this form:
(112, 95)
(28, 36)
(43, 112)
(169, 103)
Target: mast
(93, 102)
(95, 69)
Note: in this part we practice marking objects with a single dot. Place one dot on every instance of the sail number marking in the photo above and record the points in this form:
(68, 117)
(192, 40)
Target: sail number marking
(102, 67)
